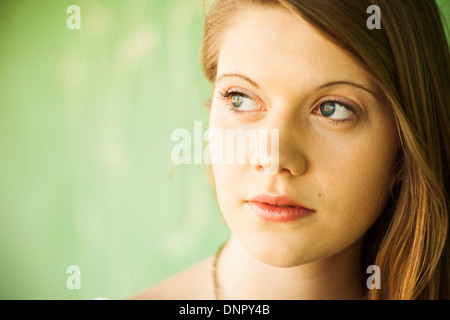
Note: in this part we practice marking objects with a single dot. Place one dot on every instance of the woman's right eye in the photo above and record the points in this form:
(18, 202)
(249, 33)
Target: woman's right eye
(240, 102)
(243, 102)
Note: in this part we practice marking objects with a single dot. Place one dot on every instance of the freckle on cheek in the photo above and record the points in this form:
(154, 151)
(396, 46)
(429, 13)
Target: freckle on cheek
(320, 194)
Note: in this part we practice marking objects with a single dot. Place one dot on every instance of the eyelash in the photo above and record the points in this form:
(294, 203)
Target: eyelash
(346, 106)
(225, 95)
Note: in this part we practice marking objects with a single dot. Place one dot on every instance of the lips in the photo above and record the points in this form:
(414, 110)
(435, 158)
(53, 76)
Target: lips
(278, 208)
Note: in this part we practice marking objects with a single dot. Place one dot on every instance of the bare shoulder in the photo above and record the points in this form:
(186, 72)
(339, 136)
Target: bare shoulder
(193, 283)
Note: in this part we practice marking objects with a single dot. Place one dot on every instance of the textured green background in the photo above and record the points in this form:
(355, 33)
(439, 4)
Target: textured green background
(86, 118)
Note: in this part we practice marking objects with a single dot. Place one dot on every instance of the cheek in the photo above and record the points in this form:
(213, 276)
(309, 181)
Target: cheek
(226, 186)
(355, 183)
(228, 180)
(226, 176)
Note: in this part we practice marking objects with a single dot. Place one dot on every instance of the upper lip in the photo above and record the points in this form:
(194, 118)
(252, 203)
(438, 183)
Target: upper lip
(279, 200)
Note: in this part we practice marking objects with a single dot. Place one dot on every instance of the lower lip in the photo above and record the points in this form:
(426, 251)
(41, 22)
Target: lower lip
(279, 214)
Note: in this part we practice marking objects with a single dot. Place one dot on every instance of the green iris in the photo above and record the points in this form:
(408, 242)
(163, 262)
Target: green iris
(237, 101)
(328, 109)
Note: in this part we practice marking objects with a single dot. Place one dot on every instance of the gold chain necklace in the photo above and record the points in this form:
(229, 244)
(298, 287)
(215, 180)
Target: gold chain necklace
(216, 283)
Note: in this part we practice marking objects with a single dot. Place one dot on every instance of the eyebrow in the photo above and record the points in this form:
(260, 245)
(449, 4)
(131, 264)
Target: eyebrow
(335, 83)
(237, 75)
(330, 84)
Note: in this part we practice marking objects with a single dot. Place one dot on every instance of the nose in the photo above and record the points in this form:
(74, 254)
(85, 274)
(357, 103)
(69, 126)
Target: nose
(287, 148)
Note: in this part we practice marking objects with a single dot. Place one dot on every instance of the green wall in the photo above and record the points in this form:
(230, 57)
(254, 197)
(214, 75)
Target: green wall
(86, 118)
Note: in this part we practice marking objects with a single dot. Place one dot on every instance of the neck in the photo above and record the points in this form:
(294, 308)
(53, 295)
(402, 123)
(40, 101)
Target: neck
(241, 276)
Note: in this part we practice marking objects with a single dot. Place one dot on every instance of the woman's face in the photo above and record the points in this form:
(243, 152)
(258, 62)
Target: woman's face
(337, 141)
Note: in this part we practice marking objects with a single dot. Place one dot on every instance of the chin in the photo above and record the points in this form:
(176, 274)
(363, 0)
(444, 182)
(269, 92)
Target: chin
(278, 255)
(281, 262)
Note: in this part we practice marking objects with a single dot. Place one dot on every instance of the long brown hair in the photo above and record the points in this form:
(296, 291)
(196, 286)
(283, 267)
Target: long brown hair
(409, 60)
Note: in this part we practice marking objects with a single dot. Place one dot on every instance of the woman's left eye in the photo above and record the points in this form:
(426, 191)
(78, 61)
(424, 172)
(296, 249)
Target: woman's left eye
(335, 111)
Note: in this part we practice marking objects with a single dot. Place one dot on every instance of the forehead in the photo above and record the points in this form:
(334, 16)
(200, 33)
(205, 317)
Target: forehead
(276, 45)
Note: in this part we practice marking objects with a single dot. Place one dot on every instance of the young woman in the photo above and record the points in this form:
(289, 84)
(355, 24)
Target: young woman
(362, 179)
